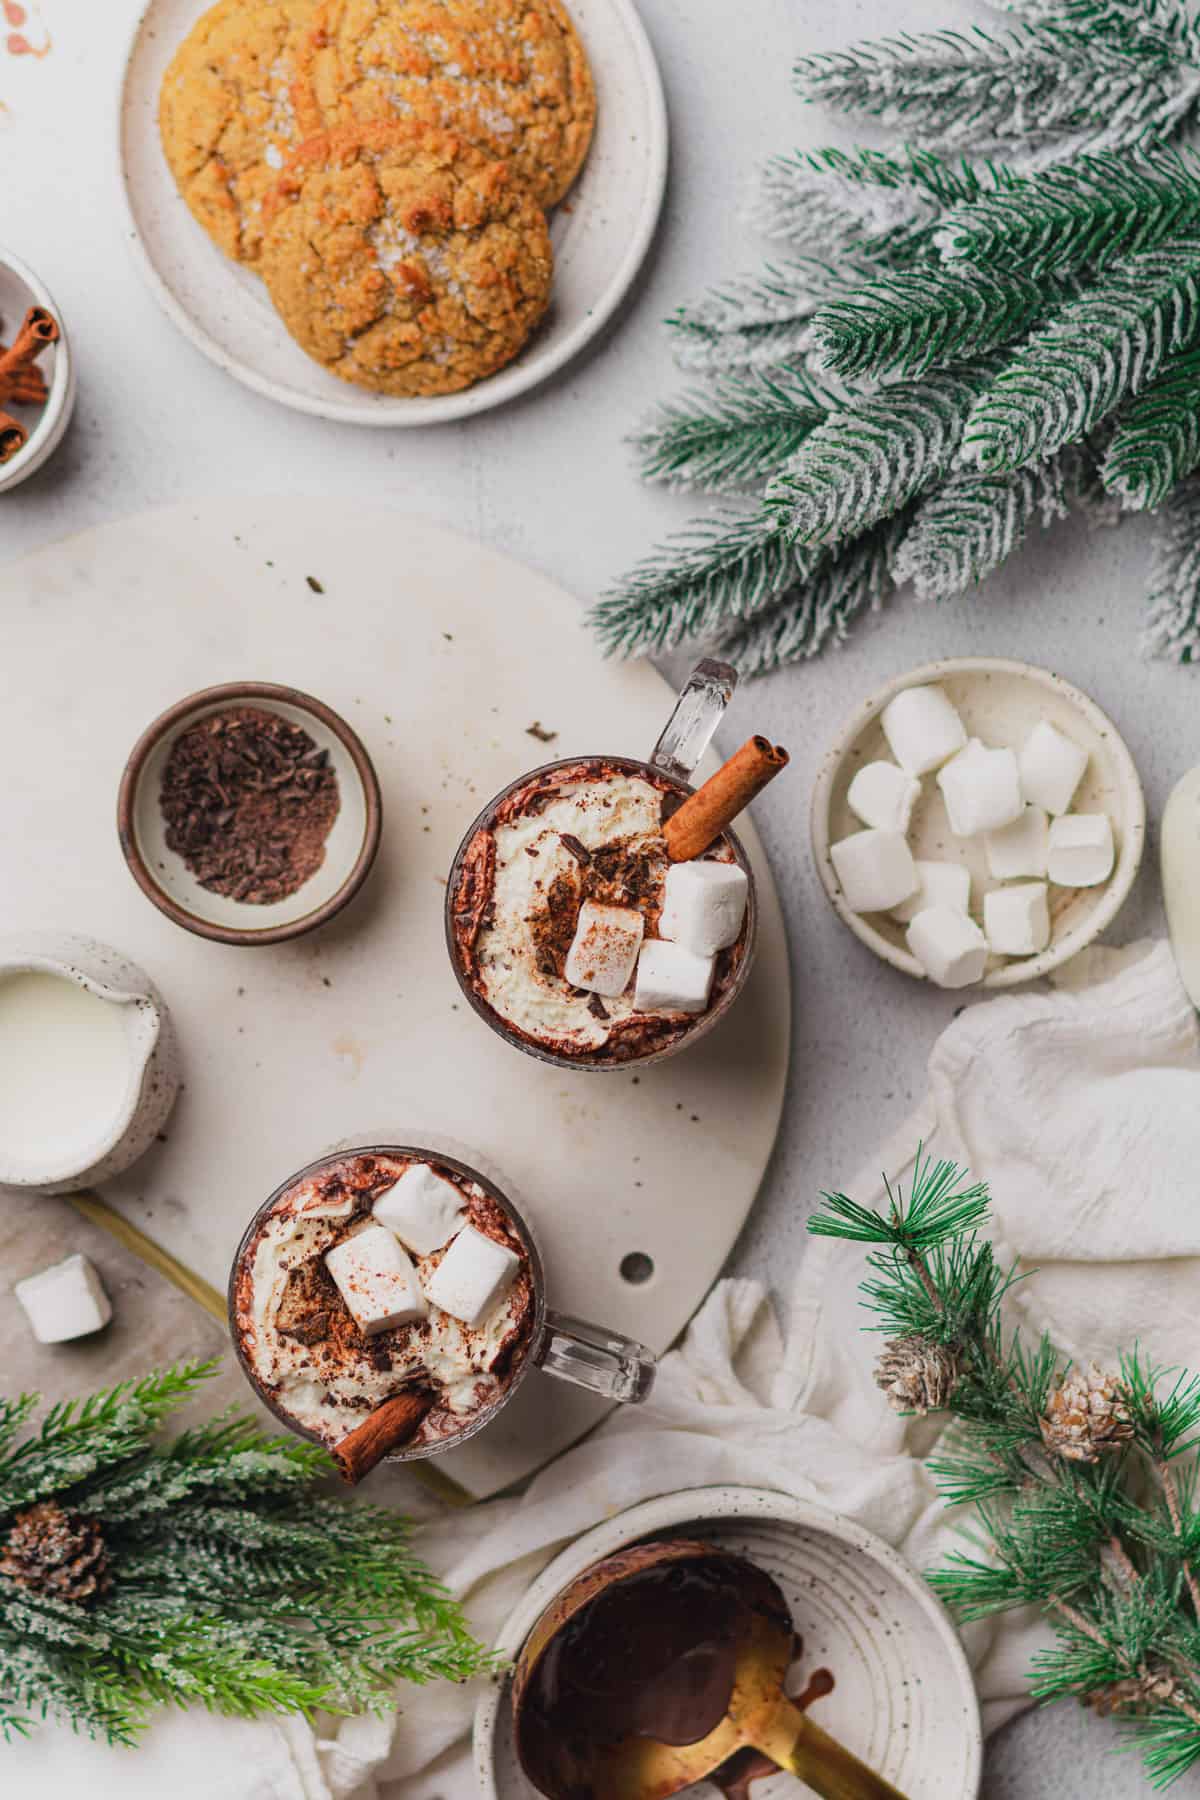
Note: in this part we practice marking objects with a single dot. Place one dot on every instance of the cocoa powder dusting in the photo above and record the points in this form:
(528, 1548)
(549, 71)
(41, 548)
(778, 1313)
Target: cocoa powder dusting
(249, 800)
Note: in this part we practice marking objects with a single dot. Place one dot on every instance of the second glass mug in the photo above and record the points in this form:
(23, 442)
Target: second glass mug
(697, 712)
(589, 1356)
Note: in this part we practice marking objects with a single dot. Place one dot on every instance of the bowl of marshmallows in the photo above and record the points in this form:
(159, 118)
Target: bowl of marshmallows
(978, 821)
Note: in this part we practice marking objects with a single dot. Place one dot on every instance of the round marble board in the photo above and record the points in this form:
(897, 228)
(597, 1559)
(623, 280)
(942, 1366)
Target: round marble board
(442, 655)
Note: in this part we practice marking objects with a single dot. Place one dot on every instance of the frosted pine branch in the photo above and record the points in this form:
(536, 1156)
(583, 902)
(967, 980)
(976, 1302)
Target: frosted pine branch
(737, 432)
(970, 524)
(1085, 213)
(1157, 439)
(903, 324)
(871, 457)
(1135, 24)
(820, 610)
(1075, 369)
(759, 320)
(1173, 624)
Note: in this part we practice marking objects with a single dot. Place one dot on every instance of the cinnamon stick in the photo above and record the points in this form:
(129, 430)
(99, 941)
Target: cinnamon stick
(24, 386)
(390, 1425)
(38, 328)
(705, 814)
(13, 437)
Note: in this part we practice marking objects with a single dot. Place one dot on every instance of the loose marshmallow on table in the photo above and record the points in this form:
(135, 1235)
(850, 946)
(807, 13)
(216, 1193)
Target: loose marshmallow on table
(1082, 852)
(605, 948)
(474, 1274)
(1019, 848)
(376, 1280)
(1051, 768)
(422, 1209)
(922, 729)
(942, 884)
(65, 1301)
(876, 870)
(1017, 919)
(883, 796)
(982, 789)
(672, 979)
(704, 904)
(949, 946)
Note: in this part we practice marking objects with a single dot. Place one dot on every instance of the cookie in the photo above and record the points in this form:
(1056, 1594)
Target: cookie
(226, 114)
(405, 258)
(511, 74)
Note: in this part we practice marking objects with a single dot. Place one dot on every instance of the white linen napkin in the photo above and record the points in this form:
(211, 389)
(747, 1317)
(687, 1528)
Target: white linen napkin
(1081, 1107)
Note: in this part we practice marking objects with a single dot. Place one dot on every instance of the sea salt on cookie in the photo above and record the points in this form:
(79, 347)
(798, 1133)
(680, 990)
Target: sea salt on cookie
(405, 259)
(510, 74)
(226, 114)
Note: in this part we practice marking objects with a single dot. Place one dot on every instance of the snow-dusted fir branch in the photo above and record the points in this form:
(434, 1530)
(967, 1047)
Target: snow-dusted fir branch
(1173, 621)
(758, 320)
(736, 432)
(1132, 24)
(1157, 437)
(905, 323)
(819, 610)
(971, 524)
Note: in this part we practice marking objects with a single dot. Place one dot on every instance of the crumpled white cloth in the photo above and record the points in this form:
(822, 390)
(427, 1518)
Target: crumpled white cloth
(1081, 1107)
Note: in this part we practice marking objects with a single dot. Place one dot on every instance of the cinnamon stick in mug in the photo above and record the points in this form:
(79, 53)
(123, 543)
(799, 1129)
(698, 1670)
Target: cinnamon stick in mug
(13, 437)
(390, 1425)
(705, 814)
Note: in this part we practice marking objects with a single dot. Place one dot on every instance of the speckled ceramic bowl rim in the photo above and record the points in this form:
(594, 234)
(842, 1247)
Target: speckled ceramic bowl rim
(51, 427)
(1133, 821)
(693, 1506)
(234, 692)
(705, 1021)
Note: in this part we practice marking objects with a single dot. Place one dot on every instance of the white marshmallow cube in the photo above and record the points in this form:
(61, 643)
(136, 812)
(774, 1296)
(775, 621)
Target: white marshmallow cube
(672, 979)
(982, 789)
(65, 1301)
(883, 796)
(473, 1276)
(941, 884)
(922, 729)
(376, 1280)
(605, 948)
(1051, 768)
(876, 870)
(422, 1209)
(704, 904)
(949, 946)
(1019, 848)
(1081, 852)
(1017, 919)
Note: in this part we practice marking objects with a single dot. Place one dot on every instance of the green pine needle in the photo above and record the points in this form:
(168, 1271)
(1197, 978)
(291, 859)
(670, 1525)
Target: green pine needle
(1173, 621)
(760, 320)
(967, 526)
(904, 323)
(943, 1203)
(1157, 437)
(817, 610)
(737, 432)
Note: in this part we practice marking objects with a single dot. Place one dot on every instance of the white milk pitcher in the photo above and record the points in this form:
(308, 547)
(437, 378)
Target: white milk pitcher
(88, 1063)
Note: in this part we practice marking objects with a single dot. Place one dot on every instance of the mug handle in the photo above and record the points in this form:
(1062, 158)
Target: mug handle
(697, 713)
(595, 1358)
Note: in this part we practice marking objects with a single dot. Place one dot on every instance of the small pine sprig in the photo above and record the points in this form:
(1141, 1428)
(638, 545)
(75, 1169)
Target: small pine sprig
(734, 433)
(1133, 24)
(819, 609)
(969, 524)
(905, 323)
(1157, 437)
(759, 320)
(1173, 617)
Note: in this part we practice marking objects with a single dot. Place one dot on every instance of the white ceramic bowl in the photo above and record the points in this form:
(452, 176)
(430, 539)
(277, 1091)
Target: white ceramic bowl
(999, 702)
(601, 233)
(904, 1699)
(20, 289)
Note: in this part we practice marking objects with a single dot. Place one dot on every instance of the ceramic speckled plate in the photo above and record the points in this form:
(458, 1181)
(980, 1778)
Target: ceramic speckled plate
(999, 702)
(601, 233)
(903, 1698)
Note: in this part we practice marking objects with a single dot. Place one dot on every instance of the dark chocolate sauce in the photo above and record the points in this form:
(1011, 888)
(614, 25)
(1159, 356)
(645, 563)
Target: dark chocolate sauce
(734, 1777)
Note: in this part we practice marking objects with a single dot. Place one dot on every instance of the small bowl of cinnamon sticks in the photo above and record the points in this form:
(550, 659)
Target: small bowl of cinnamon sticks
(37, 373)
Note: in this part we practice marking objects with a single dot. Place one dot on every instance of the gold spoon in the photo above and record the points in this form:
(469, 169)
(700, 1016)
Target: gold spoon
(728, 1661)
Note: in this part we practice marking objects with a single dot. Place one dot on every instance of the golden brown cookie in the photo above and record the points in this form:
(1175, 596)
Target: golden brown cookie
(405, 258)
(511, 74)
(227, 117)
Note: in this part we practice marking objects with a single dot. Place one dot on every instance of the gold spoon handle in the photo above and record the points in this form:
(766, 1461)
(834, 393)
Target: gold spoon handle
(802, 1748)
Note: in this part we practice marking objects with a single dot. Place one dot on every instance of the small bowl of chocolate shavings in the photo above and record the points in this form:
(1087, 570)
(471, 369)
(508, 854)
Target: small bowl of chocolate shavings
(249, 813)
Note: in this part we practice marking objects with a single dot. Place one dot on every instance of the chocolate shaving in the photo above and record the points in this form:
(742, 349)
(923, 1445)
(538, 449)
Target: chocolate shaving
(312, 1330)
(597, 1007)
(538, 730)
(580, 852)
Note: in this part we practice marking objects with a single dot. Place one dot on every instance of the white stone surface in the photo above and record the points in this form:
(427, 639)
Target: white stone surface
(550, 480)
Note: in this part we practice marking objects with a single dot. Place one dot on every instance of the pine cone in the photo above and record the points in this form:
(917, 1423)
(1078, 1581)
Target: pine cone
(916, 1374)
(1087, 1417)
(56, 1553)
(1135, 1694)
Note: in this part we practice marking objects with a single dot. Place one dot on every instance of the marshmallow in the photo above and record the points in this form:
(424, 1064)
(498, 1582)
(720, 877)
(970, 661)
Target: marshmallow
(884, 796)
(704, 904)
(65, 1301)
(1017, 919)
(922, 729)
(1081, 850)
(376, 1280)
(473, 1275)
(876, 870)
(948, 945)
(605, 948)
(1019, 848)
(981, 788)
(672, 979)
(941, 884)
(422, 1209)
(1051, 768)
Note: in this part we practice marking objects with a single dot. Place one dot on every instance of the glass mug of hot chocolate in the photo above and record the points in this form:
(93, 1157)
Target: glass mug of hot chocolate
(390, 1300)
(578, 929)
